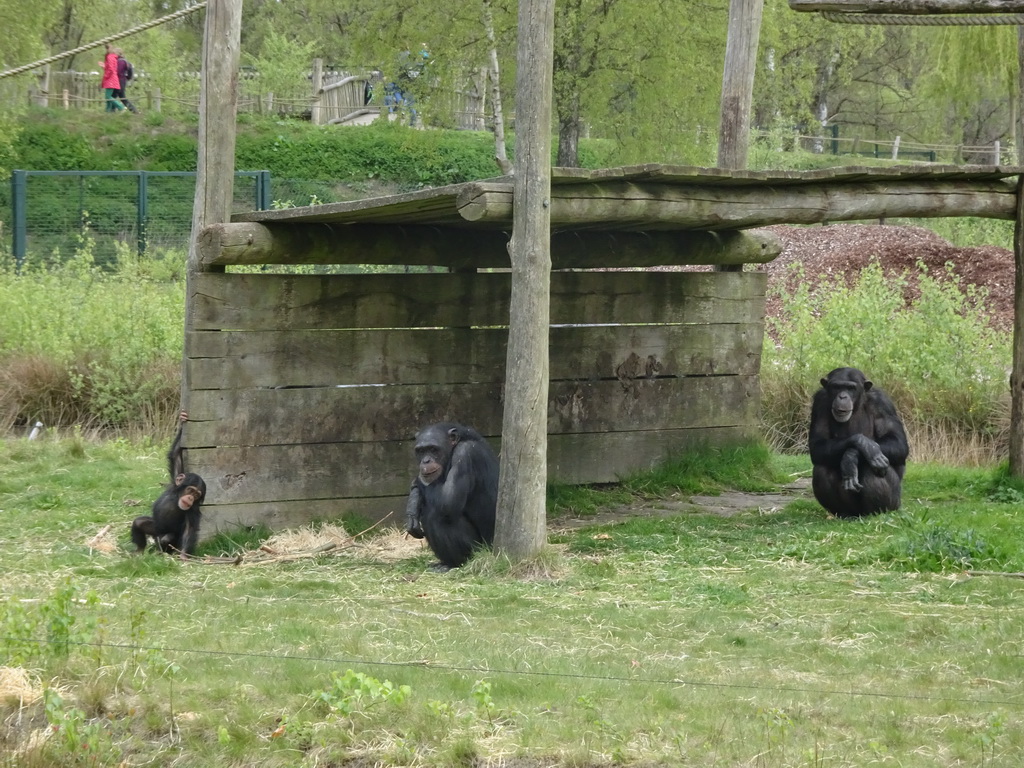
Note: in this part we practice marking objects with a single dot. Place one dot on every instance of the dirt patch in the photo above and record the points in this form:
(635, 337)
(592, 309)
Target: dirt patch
(845, 249)
(727, 504)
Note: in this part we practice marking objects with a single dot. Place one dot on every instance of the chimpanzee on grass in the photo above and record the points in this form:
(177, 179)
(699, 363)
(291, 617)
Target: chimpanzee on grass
(452, 501)
(174, 524)
(858, 446)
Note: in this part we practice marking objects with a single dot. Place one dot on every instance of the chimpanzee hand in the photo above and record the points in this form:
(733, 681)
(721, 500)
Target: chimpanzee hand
(412, 513)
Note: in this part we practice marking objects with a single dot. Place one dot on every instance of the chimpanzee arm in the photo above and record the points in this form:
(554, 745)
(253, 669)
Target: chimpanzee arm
(889, 431)
(175, 460)
(458, 483)
(413, 509)
(190, 536)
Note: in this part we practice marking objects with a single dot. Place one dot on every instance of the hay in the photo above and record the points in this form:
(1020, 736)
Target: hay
(387, 545)
(104, 541)
(17, 688)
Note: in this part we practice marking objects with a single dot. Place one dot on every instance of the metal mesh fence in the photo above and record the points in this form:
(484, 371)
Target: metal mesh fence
(46, 213)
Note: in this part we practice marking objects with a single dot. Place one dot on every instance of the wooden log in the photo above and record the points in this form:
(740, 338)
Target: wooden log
(323, 415)
(263, 359)
(909, 6)
(364, 302)
(247, 243)
(660, 206)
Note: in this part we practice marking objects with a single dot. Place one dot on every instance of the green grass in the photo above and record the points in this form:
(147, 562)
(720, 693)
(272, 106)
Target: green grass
(762, 639)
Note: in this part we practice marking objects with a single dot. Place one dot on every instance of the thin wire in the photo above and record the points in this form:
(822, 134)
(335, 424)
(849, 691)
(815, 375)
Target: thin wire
(514, 672)
(101, 41)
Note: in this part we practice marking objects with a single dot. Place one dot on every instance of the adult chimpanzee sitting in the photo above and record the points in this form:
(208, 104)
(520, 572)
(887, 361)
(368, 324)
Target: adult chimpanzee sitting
(453, 498)
(858, 446)
(174, 523)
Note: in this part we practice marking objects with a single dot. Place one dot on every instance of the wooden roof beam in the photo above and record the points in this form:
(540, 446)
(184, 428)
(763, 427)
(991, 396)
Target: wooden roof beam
(250, 243)
(627, 205)
(910, 7)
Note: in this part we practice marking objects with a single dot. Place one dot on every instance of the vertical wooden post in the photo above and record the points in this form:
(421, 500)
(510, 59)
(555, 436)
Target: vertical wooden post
(738, 89)
(738, 82)
(522, 486)
(316, 110)
(1017, 373)
(215, 164)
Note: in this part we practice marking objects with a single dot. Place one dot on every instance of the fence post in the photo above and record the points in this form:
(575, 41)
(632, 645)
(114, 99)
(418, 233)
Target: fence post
(65, 97)
(318, 94)
(142, 213)
(995, 153)
(896, 148)
(18, 222)
(156, 99)
(263, 191)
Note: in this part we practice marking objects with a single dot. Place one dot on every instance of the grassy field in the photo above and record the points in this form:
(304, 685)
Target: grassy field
(770, 638)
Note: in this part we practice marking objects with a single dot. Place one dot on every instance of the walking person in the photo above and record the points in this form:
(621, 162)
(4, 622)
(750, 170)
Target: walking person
(125, 74)
(111, 84)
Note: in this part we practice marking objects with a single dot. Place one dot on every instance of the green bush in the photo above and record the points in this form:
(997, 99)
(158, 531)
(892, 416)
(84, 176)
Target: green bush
(937, 356)
(82, 345)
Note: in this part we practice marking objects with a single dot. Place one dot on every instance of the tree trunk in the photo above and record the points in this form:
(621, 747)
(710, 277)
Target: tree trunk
(494, 73)
(569, 134)
(520, 529)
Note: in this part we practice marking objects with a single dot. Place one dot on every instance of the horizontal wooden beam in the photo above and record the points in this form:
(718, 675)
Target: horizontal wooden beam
(909, 6)
(250, 243)
(662, 206)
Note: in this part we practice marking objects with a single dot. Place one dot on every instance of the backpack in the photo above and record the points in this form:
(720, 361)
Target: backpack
(129, 72)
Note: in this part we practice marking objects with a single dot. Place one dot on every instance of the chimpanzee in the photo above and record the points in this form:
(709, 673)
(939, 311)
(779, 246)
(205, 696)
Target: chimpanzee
(174, 524)
(858, 446)
(453, 499)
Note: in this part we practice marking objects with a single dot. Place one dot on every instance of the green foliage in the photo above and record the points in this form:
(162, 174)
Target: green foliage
(50, 630)
(77, 741)
(356, 692)
(103, 350)
(937, 356)
(708, 469)
(50, 147)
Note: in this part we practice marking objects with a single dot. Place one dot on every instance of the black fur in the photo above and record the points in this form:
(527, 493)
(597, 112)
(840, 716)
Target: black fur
(453, 499)
(859, 462)
(173, 529)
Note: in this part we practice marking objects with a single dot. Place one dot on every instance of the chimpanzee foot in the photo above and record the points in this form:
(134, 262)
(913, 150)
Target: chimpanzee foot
(438, 567)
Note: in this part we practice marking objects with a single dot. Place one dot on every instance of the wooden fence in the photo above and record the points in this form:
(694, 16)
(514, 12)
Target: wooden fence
(325, 97)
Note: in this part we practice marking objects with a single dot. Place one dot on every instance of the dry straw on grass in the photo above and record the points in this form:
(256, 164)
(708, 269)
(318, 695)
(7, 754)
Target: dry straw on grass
(17, 687)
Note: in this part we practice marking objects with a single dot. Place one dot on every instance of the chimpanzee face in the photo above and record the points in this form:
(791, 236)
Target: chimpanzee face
(189, 496)
(845, 396)
(434, 451)
(431, 462)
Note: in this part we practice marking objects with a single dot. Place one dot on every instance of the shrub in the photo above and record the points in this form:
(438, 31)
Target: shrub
(937, 355)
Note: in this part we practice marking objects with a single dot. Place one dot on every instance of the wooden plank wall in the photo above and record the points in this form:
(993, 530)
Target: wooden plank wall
(307, 390)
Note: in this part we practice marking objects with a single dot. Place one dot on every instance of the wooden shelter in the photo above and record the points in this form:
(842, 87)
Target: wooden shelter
(304, 390)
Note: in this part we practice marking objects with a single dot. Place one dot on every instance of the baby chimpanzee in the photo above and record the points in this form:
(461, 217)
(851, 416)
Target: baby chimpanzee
(174, 523)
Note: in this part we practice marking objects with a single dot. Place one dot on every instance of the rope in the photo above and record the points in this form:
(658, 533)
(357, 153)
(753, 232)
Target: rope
(923, 21)
(111, 38)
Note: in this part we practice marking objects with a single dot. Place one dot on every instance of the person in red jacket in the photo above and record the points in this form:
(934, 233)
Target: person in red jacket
(111, 84)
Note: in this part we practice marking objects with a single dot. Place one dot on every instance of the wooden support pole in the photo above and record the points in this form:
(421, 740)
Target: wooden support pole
(1017, 374)
(522, 486)
(215, 163)
(738, 82)
(909, 6)
(249, 243)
